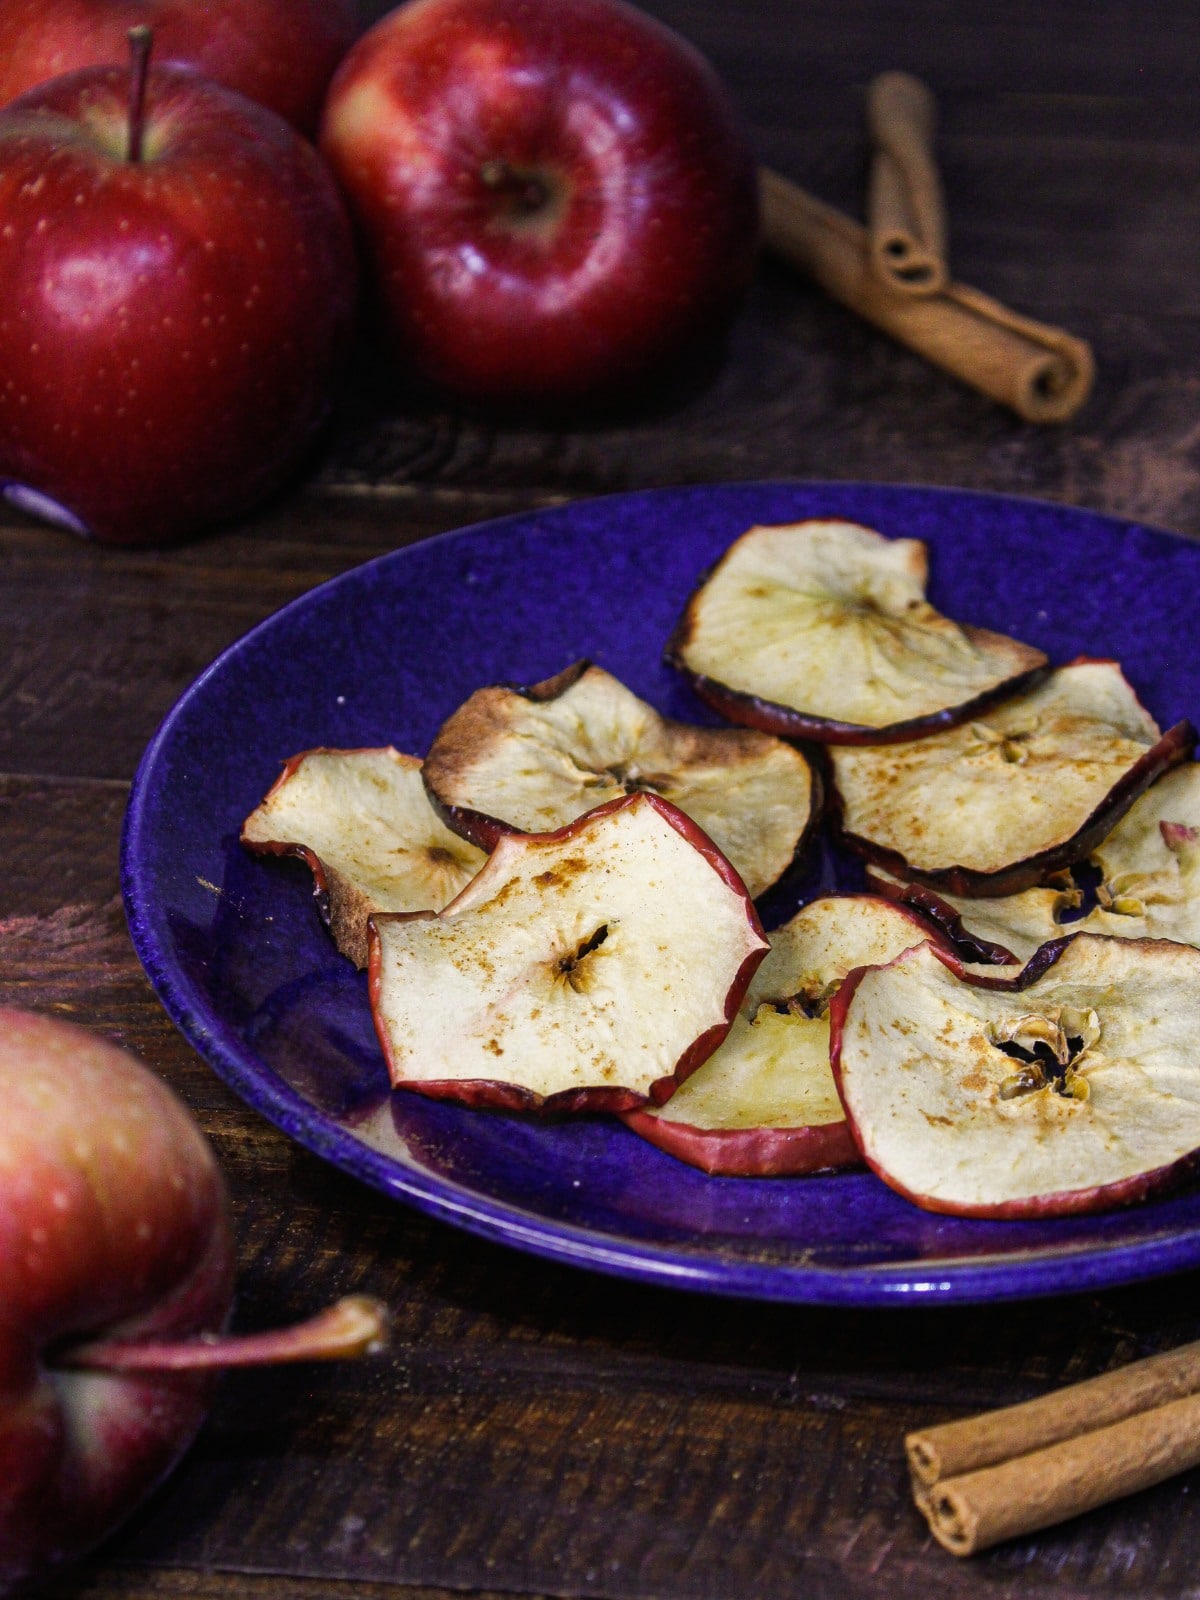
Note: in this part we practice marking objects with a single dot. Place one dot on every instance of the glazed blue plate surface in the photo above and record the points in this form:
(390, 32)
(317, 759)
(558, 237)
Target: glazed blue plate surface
(235, 950)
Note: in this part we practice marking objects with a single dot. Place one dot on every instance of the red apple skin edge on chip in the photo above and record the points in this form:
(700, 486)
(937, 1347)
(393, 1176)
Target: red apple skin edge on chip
(750, 1152)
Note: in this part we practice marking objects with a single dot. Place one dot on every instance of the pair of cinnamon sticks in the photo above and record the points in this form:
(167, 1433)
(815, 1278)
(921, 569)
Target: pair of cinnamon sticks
(1011, 1472)
(894, 272)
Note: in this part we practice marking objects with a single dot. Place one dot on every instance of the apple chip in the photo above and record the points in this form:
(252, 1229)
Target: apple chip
(821, 630)
(1002, 928)
(362, 821)
(1149, 868)
(531, 760)
(765, 1103)
(994, 806)
(1155, 841)
(1074, 1087)
(826, 939)
(585, 969)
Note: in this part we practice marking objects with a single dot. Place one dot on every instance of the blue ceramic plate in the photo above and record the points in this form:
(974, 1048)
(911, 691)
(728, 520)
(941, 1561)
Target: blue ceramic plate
(235, 950)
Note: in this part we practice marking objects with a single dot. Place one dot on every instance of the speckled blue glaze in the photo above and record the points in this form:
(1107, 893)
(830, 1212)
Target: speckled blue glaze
(383, 654)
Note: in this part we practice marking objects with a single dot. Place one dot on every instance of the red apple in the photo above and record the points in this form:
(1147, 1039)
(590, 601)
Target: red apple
(171, 326)
(555, 195)
(279, 52)
(116, 1277)
(112, 1215)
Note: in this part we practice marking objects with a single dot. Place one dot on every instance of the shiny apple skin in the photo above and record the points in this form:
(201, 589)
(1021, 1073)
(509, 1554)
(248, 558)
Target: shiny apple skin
(172, 330)
(281, 53)
(646, 237)
(113, 1219)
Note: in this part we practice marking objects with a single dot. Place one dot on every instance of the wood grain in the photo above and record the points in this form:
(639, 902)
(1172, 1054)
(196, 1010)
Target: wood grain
(536, 1431)
(127, 1582)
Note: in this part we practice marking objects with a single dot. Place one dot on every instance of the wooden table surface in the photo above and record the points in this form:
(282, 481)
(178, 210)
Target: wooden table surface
(535, 1431)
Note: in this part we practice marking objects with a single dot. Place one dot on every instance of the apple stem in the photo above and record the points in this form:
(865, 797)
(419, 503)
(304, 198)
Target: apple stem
(141, 39)
(352, 1327)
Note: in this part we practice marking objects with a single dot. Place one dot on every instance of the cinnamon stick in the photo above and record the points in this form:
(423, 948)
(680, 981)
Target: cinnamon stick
(1044, 374)
(1025, 1467)
(973, 1442)
(969, 1513)
(906, 212)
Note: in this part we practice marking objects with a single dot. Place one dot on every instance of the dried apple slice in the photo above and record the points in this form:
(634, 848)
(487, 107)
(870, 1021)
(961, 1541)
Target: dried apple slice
(999, 929)
(585, 969)
(1149, 868)
(363, 823)
(811, 955)
(1072, 1088)
(993, 807)
(821, 630)
(531, 760)
(1156, 839)
(765, 1103)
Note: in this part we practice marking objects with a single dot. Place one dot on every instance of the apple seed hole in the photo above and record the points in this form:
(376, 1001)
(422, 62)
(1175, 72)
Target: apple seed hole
(1040, 1066)
(634, 781)
(569, 966)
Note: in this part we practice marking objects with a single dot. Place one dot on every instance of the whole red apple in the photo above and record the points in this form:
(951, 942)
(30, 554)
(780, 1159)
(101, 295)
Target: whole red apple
(116, 1278)
(172, 326)
(279, 52)
(556, 196)
(112, 1217)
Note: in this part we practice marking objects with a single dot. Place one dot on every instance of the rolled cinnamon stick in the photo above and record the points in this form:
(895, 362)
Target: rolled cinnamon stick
(973, 1442)
(906, 212)
(969, 1513)
(1042, 373)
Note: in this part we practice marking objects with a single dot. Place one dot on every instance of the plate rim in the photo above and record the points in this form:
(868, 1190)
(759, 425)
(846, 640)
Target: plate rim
(971, 1279)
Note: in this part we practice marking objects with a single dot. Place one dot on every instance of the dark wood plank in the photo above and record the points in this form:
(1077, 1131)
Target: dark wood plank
(99, 644)
(1045, 49)
(808, 391)
(122, 1582)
